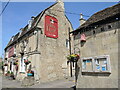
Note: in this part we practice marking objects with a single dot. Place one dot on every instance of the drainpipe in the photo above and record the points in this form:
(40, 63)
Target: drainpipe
(37, 37)
(70, 51)
(36, 33)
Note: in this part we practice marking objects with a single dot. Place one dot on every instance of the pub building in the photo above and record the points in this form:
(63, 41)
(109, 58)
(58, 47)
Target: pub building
(40, 48)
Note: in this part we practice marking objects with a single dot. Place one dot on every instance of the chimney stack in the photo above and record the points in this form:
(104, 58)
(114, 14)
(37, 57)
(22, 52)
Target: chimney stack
(59, 0)
(61, 3)
(30, 22)
(82, 21)
(21, 29)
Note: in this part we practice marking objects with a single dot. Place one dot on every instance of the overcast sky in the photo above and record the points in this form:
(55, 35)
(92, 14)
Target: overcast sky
(17, 14)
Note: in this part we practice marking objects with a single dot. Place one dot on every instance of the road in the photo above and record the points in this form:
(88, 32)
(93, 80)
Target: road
(6, 83)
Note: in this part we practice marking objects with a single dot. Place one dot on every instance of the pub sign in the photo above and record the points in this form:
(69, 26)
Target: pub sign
(51, 26)
(11, 52)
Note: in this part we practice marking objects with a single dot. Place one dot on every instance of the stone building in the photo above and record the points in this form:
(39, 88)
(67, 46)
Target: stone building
(43, 44)
(1, 60)
(97, 42)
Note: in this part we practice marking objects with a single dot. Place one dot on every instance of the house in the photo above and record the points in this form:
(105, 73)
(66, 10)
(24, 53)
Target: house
(41, 46)
(97, 42)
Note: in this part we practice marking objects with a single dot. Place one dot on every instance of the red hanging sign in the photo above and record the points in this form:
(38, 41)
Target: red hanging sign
(51, 27)
(83, 37)
(11, 52)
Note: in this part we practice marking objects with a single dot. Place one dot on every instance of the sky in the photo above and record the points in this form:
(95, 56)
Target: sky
(17, 14)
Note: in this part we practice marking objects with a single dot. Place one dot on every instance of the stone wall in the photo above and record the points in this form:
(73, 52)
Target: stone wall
(101, 43)
(52, 61)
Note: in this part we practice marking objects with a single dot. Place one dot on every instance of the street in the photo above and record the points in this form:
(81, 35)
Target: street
(6, 83)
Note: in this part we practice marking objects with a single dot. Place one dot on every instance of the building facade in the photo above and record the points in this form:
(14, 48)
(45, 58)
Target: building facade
(41, 46)
(1, 60)
(97, 42)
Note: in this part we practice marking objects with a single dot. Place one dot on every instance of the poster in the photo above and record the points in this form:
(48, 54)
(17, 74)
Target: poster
(98, 67)
(88, 62)
(103, 67)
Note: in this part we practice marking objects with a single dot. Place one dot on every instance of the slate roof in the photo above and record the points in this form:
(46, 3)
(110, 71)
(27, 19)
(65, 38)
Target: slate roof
(14, 39)
(101, 15)
(24, 30)
(34, 24)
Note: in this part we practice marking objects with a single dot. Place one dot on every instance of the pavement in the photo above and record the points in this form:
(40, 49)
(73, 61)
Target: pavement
(64, 83)
(6, 83)
(0, 81)
(55, 84)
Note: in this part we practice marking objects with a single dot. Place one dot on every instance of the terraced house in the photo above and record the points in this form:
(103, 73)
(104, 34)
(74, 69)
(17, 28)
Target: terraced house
(41, 47)
(97, 42)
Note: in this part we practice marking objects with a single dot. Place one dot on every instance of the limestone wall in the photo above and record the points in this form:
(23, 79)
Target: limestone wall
(102, 43)
(52, 62)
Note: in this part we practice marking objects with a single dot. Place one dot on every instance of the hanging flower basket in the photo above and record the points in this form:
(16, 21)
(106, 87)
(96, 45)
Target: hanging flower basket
(27, 62)
(15, 63)
(12, 75)
(30, 73)
(8, 73)
(73, 57)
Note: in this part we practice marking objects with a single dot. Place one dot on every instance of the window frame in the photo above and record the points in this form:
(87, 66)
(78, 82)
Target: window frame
(102, 29)
(108, 62)
(87, 59)
(94, 64)
(67, 43)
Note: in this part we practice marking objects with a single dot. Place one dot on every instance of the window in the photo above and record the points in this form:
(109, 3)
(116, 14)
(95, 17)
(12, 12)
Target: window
(117, 18)
(109, 26)
(14, 49)
(98, 64)
(67, 43)
(12, 38)
(87, 65)
(93, 31)
(102, 29)
(75, 33)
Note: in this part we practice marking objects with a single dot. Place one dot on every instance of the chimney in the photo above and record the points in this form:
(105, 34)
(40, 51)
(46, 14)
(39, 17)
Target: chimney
(59, 0)
(32, 18)
(61, 3)
(21, 29)
(30, 22)
(82, 21)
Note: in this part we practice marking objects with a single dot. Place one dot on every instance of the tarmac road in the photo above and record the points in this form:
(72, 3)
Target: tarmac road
(6, 83)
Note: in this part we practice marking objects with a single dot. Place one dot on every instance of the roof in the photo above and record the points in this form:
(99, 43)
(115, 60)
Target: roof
(14, 39)
(102, 15)
(24, 30)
